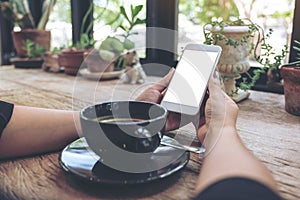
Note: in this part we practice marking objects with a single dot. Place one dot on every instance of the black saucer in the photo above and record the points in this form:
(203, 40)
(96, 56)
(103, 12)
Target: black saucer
(79, 160)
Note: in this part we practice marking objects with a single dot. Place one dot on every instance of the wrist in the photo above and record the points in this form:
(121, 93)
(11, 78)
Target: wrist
(229, 129)
(214, 135)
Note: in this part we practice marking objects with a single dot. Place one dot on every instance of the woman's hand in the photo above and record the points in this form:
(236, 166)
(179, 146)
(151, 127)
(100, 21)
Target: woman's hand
(155, 94)
(220, 112)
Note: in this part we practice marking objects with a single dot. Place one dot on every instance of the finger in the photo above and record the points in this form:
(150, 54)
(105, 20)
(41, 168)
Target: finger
(176, 120)
(163, 83)
(215, 111)
(201, 133)
(216, 95)
(214, 85)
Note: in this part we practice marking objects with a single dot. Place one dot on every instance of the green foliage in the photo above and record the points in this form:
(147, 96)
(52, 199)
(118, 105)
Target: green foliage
(33, 50)
(267, 57)
(106, 55)
(55, 50)
(61, 11)
(85, 42)
(131, 19)
(214, 32)
(46, 10)
(204, 11)
(18, 12)
(112, 44)
(296, 47)
(120, 63)
(83, 23)
(127, 21)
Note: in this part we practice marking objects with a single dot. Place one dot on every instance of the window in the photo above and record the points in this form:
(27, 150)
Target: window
(296, 30)
(106, 20)
(60, 24)
(165, 14)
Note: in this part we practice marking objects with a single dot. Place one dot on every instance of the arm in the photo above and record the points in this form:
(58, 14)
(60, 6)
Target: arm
(37, 130)
(226, 155)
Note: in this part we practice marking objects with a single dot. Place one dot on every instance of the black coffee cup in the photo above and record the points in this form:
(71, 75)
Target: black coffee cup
(132, 126)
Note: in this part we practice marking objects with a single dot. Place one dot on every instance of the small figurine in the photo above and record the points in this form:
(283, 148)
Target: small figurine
(134, 72)
(51, 62)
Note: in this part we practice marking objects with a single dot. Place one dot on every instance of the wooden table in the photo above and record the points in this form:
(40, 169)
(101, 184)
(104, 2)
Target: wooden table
(268, 131)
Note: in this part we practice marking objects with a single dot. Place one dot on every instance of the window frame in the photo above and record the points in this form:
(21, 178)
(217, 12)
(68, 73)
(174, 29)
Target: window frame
(295, 31)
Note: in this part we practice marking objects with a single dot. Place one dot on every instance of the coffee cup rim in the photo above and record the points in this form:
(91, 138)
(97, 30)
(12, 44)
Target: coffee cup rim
(164, 115)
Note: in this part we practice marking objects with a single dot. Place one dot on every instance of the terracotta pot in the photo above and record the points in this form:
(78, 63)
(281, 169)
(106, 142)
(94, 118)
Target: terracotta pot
(40, 37)
(51, 62)
(96, 64)
(291, 77)
(71, 60)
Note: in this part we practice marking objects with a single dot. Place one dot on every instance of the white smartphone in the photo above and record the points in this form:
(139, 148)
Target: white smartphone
(189, 82)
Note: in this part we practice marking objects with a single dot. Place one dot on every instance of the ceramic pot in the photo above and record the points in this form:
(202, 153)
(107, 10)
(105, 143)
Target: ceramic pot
(233, 60)
(96, 64)
(291, 78)
(40, 37)
(71, 60)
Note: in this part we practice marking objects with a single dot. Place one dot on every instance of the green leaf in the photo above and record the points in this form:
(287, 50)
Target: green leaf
(136, 10)
(296, 48)
(113, 20)
(132, 12)
(123, 12)
(139, 21)
(88, 12)
(297, 42)
(123, 28)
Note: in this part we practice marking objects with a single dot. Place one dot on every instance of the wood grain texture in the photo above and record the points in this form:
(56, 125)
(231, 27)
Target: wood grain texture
(268, 131)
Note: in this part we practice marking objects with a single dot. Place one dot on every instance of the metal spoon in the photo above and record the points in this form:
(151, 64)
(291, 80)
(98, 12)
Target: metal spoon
(168, 141)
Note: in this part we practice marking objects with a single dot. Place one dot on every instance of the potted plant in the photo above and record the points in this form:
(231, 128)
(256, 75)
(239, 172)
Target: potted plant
(107, 57)
(239, 39)
(291, 76)
(235, 38)
(34, 52)
(18, 12)
(72, 58)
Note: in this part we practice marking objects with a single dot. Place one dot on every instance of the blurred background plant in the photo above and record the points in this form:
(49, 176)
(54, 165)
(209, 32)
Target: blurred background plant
(193, 14)
(127, 20)
(204, 11)
(19, 13)
(33, 50)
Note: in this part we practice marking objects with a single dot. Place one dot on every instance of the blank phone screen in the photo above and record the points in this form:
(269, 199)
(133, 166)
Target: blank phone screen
(192, 73)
